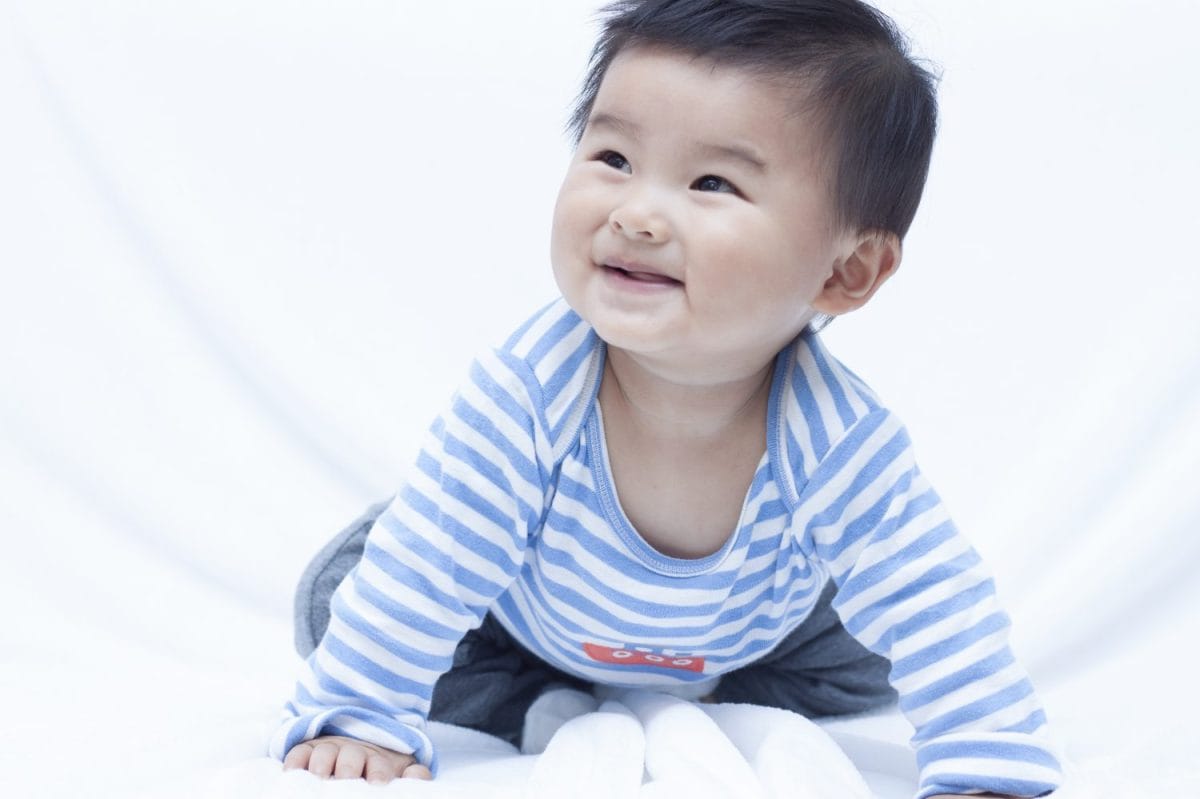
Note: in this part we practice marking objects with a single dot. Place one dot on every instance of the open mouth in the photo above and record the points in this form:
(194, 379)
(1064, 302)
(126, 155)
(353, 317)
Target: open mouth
(638, 276)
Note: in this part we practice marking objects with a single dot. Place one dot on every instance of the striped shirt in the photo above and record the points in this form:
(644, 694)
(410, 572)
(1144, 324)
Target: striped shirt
(511, 508)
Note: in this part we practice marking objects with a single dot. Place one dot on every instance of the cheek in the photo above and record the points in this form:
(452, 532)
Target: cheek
(742, 259)
(560, 226)
(570, 220)
(570, 241)
(759, 272)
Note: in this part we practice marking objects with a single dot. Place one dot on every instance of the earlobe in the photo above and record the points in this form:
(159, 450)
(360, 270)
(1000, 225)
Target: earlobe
(856, 278)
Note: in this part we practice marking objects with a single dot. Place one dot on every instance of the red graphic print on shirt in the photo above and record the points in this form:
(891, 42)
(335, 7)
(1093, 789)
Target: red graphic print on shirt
(641, 656)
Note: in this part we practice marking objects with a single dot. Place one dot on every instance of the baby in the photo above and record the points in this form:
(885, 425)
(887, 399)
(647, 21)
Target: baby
(664, 479)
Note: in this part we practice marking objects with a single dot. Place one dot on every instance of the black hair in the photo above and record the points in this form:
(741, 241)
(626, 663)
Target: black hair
(878, 106)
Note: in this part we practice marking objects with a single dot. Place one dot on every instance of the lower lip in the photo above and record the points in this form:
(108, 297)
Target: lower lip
(627, 282)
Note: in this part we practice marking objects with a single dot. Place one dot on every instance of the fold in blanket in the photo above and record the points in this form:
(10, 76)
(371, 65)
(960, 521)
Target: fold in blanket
(654, 745)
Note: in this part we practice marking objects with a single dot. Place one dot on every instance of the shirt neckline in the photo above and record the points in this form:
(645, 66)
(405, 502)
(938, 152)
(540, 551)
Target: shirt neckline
(606, 489)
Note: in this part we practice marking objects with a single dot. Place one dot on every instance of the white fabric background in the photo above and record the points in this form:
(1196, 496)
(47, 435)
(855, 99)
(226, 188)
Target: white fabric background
(248, 249)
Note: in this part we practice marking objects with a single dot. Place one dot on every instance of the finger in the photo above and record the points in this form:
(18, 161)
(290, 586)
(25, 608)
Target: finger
(350, 762)
(382, 768)
(323, 757)
(298, 757)
(417, 771)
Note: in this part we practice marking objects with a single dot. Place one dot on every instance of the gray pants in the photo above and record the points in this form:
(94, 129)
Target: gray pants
(819, 669)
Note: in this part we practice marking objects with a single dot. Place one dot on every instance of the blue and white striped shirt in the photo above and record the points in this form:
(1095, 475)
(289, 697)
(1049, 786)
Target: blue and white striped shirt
(511, 507)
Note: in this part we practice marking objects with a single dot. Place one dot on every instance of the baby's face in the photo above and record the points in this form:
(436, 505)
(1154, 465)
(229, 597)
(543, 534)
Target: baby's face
(694, 225)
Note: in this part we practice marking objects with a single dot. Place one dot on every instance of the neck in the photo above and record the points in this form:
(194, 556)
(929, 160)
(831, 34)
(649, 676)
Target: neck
(663, 405)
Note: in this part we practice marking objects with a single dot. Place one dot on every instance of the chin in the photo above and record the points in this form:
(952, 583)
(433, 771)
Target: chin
(627, 335)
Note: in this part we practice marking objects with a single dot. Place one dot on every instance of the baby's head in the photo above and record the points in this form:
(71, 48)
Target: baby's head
(850, 66)
(720, 141)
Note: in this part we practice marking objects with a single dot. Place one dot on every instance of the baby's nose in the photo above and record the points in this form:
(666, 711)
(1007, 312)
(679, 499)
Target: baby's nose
(637, 219)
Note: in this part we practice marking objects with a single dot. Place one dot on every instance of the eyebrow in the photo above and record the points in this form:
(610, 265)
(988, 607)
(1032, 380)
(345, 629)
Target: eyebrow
(735, 152)
(606, 120)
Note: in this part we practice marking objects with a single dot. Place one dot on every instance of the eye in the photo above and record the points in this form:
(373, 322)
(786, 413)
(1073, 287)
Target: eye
(714, 183)
(613, 159)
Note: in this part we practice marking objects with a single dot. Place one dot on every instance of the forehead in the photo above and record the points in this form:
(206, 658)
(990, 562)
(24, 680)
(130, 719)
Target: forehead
(668, 94)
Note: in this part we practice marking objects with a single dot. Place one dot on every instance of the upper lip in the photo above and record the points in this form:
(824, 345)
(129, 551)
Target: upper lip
(629, 265)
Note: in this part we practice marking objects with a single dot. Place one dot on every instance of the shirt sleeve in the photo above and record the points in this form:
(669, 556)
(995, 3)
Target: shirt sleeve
(451, 541)
(912, 589)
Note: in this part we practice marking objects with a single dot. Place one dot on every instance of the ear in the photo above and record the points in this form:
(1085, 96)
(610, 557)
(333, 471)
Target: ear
(856, 278)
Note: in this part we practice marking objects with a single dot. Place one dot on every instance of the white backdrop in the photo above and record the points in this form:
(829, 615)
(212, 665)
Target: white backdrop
(248, 249)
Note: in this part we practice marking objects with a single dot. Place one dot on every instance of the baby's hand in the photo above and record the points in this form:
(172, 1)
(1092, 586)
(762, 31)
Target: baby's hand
(348, 759)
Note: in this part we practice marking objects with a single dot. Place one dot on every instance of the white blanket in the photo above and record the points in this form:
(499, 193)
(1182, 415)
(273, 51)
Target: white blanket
(248, 249)
(635, 744)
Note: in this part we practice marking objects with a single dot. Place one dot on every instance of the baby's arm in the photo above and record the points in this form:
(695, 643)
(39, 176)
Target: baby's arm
(913, 590)
(348, 759)
(451, 541)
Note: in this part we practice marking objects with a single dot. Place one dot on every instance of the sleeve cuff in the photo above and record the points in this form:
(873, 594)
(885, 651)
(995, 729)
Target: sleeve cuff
(1006, 763)
(359, 723)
